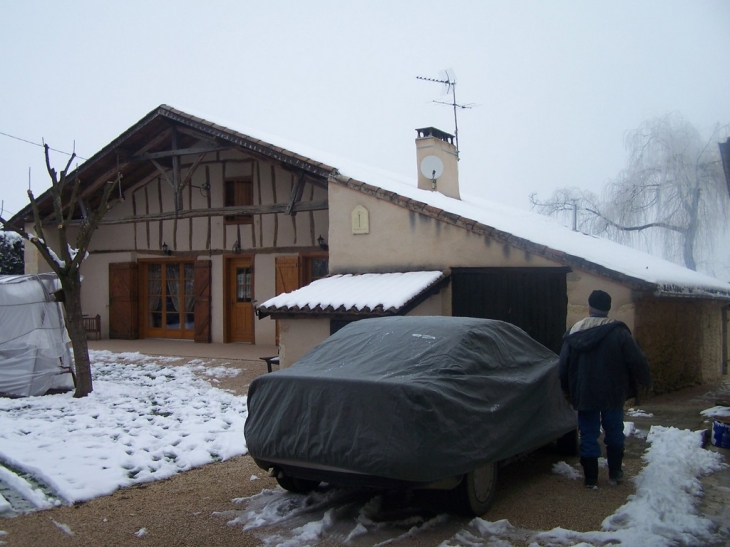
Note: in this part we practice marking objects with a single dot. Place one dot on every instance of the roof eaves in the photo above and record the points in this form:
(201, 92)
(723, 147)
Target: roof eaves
(353, 312)
(674, 291)
(249, 143)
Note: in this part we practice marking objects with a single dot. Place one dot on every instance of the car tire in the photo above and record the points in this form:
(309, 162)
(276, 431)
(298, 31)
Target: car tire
(567, 445)
(475, 492)
(296, 486)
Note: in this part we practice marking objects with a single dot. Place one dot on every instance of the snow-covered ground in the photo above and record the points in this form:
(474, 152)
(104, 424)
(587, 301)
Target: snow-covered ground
(141, 423)
(150, 421)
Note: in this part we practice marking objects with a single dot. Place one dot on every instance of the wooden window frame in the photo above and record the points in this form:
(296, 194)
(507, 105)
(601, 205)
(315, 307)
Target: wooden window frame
(238, 192)
(305, 269)
(147, 331)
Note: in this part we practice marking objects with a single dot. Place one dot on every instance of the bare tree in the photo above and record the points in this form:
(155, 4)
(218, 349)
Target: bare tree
(67, 263)
(671, 193)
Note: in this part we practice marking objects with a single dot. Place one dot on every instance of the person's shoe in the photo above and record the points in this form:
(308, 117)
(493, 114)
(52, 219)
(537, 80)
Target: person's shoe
(615, 456)
(590, 472)
(615, 478)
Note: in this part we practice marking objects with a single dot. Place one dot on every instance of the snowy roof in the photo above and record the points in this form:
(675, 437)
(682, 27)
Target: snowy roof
(357, 295)
(535, 233)
(545, 236)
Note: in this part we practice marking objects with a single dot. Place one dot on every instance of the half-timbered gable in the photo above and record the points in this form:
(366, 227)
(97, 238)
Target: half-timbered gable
(205, 218)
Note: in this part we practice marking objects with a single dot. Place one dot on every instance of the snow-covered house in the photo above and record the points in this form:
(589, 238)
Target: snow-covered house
(214, 224)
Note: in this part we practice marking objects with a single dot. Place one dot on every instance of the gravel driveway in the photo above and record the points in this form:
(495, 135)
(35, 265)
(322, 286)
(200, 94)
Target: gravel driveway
(196, 507)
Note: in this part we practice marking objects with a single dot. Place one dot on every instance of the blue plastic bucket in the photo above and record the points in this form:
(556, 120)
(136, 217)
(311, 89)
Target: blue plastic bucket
(721, 434)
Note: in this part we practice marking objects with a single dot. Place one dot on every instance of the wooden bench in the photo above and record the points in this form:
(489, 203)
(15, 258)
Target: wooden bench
(92, 325)
(270, 361)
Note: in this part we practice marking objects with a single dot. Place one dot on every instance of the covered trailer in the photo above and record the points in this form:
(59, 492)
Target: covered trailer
(35, 354)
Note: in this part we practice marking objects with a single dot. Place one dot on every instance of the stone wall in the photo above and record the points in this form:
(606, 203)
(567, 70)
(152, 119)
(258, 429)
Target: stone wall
(682, 340)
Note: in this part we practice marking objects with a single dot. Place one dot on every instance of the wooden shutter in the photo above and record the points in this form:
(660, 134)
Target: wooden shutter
(201, 290)
(287, 278)
(287, 274)
(123, 318)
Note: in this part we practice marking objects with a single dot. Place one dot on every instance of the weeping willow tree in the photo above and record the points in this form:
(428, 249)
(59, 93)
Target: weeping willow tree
(670, 200)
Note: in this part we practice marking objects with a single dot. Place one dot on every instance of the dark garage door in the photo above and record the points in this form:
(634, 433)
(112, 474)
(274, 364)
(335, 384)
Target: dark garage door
(534, 299)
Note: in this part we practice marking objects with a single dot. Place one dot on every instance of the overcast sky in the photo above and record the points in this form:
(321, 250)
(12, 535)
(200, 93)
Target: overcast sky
(555, 85)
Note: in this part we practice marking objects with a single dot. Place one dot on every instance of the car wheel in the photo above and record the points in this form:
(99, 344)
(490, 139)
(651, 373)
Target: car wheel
(567, 445)
(475, 492)
(297, 486)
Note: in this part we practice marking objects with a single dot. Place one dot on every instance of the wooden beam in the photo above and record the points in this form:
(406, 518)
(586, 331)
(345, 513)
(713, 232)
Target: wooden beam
(191, 171)
(111, 174)
(219, 211)
(176, 183)
(164, 173)
(178, 153)
(199, 135)
(296, 193)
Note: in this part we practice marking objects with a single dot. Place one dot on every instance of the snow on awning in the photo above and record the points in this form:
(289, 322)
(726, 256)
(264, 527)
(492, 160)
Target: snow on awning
(372, 294)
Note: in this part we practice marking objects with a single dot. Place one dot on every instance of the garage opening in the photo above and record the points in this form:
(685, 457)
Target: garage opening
(534, 299)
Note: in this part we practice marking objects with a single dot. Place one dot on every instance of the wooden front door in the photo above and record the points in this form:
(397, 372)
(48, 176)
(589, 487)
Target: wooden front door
(239, 300)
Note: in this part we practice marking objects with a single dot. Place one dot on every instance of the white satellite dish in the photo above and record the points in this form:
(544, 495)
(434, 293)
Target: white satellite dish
(432, 167)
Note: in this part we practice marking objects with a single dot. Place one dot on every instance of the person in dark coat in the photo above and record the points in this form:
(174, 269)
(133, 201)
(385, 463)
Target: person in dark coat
(600, 367)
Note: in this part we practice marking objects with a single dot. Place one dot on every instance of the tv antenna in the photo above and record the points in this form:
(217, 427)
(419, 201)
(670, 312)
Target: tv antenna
(448, 79)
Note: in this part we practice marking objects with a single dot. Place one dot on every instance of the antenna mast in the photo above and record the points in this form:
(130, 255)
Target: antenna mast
(448, 78)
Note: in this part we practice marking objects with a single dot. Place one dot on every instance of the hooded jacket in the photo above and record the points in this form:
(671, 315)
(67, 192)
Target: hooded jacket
(601, 365)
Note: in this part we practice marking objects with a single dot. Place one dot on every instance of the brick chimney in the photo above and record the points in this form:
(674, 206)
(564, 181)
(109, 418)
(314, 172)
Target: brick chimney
(435, 151)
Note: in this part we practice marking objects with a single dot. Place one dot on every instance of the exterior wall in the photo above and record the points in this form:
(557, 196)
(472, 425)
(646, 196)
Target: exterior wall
(269, 236)
(95, 285)
(265, 288)
(34, 263)
(298, 336)
(271, 184)
(580, 286)
(682, 340)
(401, 240)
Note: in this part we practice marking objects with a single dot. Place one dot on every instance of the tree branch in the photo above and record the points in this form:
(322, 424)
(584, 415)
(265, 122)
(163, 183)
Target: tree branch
(664, 225)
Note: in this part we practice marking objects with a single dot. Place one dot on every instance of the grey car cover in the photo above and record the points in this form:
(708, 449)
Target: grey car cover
(410, 398)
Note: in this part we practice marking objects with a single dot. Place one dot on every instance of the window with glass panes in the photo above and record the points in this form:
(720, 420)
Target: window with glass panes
(170, 297)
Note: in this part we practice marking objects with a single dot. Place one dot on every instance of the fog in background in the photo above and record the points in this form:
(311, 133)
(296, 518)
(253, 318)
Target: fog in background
(553, 86)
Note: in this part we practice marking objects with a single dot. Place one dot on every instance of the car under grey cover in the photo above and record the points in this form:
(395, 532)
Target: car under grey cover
(413, 399)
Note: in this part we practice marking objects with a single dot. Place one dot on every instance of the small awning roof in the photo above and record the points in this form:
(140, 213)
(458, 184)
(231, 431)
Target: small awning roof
(357, 295)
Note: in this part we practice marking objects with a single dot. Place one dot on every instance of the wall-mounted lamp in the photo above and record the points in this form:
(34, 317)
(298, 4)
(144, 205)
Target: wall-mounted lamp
(322, 244)
(237, 247)
(204, 188)
(165, 249)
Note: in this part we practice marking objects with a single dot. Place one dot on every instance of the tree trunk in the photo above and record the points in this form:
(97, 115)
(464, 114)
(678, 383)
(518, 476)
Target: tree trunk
(690, 235)
(77, 333)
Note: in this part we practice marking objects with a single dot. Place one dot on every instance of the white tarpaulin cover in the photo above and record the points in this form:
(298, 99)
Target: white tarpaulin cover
(34, 344)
